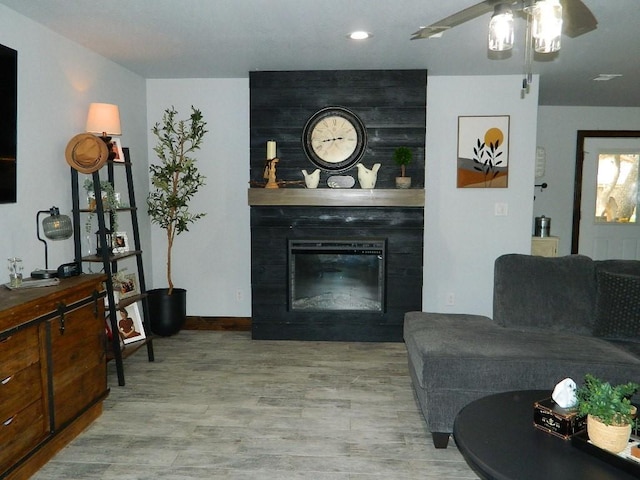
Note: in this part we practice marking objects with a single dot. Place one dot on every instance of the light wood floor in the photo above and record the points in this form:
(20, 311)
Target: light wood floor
(218, 405)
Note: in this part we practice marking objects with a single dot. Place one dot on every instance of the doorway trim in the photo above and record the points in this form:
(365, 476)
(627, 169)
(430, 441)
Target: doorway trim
(577, 184)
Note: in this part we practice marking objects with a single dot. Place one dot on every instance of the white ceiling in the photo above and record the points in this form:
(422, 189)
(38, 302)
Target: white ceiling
(229, 38)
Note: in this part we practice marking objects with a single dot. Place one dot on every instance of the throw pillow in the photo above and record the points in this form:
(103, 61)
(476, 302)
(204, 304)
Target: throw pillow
(618, 306)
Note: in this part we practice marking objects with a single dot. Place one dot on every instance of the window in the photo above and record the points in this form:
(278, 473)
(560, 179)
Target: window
(617, 187)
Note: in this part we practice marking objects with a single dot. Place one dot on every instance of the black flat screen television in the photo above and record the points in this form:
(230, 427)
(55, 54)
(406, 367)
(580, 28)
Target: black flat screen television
(8, 123)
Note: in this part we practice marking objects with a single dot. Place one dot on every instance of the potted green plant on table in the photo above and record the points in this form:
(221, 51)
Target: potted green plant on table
(610, 414)
(174, 182)
(403, 156)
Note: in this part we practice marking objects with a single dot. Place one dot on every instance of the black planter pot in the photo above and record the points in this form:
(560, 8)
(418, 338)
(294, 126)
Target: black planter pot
(167, 313)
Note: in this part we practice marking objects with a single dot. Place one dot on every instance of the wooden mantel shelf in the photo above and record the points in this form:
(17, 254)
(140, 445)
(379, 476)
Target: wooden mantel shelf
(333, 197)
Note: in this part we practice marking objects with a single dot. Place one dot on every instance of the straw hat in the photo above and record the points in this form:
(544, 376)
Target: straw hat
(86, 153)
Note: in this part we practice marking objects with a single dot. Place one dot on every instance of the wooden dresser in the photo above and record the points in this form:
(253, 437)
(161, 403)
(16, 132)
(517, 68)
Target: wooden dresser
(53, 375)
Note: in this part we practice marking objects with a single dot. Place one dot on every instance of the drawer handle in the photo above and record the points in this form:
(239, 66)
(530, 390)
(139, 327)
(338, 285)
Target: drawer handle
(6, 380)
(61, 309)
(8, 422)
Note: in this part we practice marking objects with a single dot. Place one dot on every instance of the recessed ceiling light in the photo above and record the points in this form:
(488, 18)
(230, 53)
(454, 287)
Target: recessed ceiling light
(359, 35)
(603, 77)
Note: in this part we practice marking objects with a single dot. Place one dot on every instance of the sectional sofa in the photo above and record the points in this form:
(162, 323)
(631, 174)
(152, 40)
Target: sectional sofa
(552, 318)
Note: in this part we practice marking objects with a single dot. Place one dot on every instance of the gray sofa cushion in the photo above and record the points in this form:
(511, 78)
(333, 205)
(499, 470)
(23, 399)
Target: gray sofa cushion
(627, 267)
(481, 356)
(553, 294)
(618, 306)
(455, 359)
(427, 334)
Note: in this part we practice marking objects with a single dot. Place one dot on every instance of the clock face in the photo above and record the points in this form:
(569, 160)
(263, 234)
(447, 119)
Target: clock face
(334, 138)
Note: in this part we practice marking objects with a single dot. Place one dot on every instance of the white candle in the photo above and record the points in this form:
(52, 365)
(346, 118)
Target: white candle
(271, 150)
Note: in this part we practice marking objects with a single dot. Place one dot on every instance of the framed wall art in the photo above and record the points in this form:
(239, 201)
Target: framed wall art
(483, 152)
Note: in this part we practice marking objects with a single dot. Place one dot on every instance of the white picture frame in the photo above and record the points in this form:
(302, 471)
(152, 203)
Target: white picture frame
(116, 298)
(130, 327)
(129, 287)
(120, 242)
(116, 148)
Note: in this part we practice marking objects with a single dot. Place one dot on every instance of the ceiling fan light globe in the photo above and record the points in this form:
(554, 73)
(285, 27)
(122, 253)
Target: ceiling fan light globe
(546, 26)
(501, 29)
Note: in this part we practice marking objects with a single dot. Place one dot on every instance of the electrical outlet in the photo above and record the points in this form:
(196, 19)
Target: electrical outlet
(451, 299)
(239, 296)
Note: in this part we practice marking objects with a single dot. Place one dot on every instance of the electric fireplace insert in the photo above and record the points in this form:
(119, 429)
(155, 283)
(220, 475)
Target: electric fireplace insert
(336, 274)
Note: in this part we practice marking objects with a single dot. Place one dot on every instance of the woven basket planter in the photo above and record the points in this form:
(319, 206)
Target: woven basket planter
(613, 438)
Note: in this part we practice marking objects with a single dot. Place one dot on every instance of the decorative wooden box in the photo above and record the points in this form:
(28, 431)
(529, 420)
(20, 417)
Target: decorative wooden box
(561, 422)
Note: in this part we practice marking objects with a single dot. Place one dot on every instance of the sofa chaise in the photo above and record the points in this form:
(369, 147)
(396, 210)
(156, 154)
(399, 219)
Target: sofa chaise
(553, 318)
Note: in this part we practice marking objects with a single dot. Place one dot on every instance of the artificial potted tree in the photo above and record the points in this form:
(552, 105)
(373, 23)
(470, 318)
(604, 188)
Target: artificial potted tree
(403, 156)
(609, 411)
(174, 182)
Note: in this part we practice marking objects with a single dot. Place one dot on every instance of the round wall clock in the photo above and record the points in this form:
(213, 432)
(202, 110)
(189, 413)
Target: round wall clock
(334, 138)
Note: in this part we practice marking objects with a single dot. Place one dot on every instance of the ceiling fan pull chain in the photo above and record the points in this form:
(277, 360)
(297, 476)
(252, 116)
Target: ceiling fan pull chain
(528, 57)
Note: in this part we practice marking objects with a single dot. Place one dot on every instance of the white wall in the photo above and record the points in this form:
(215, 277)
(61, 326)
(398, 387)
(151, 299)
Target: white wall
(57, 80)
(463, 236)
(213, 259)
(557, 133)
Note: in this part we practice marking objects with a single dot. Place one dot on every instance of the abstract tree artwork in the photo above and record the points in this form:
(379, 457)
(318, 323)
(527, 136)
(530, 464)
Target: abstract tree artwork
(483, 152)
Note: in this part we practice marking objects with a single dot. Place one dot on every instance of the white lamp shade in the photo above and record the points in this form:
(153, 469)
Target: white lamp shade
(104, 119)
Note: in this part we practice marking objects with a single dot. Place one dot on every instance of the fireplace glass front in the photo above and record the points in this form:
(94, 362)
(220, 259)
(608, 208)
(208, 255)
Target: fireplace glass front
(333, 275)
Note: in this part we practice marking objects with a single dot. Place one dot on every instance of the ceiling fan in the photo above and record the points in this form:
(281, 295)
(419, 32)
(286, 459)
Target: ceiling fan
(577, 18)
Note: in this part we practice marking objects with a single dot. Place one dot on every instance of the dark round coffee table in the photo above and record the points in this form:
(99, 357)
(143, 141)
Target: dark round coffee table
(497, 438)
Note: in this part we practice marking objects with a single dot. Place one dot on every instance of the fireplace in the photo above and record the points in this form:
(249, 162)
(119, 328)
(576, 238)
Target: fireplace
(336, 274)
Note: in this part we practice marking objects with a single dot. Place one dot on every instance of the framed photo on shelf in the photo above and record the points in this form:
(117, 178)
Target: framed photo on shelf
(129, 287)
(130, 325)
(116, 148)
(120, 242)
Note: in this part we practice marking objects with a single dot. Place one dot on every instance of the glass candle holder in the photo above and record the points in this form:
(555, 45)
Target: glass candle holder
(15, 271)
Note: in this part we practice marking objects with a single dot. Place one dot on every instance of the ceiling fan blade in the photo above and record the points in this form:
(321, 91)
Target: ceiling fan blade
(462, 16)
(577, 18)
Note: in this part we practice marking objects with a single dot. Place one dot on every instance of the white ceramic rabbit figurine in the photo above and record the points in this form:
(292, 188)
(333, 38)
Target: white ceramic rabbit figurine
(366, 177)
(311, 180)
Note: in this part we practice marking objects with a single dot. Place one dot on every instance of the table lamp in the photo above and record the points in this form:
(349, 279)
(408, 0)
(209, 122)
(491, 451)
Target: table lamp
(104, 120)
(55, 227)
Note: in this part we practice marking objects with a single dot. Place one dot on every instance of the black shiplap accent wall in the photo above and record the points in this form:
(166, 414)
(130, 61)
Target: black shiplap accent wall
(271, 227)
(391, 103)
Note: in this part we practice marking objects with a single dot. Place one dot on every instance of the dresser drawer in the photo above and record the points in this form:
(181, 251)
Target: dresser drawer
(18, 351)
(21, 433)
(20, 389)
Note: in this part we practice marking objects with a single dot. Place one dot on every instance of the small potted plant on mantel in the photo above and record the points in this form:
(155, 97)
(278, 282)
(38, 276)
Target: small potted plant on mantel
(610, 414)
(175, 180)
(403, 156)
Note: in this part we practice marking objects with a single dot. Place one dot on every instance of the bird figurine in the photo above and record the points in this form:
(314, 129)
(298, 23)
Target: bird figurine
(367, 178)
(311, 180)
